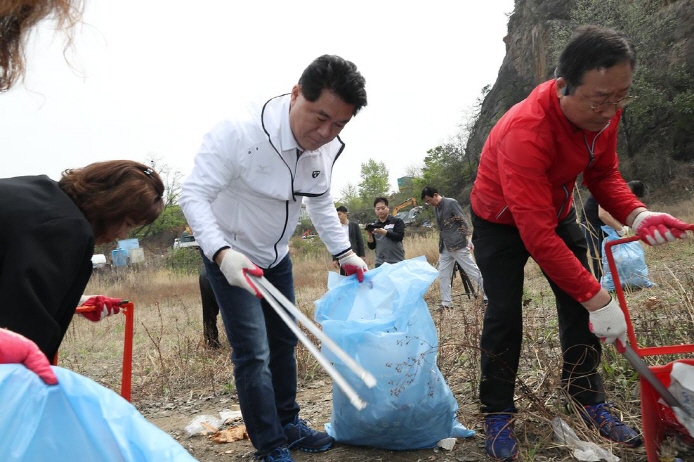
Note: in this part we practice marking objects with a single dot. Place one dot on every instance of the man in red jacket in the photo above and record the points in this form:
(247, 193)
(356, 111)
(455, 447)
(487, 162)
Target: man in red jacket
(522, 207)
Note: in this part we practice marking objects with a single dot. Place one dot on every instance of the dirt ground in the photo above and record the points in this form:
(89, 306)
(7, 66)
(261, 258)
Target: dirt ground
(315, 401)
(315, 398)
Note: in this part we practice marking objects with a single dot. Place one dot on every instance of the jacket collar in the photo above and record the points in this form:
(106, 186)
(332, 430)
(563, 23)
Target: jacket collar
(276, 121)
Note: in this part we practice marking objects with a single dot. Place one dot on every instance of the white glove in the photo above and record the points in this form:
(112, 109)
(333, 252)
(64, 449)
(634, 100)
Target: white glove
(236, 267)
(623, 232)
(352, 264)
(609, 325)
(658, 228)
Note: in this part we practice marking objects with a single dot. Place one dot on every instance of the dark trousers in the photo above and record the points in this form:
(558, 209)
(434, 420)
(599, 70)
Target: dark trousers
(210, 310)
(501, 257)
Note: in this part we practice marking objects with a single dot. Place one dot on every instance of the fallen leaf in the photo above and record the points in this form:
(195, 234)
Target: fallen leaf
(231, 434)
(652, 303)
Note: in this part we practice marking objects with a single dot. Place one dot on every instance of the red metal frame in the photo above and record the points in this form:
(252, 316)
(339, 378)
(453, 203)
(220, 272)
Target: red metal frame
(658, 420)
(127, 308)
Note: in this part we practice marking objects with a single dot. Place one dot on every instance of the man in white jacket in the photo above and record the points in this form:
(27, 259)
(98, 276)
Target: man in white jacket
(242, 201)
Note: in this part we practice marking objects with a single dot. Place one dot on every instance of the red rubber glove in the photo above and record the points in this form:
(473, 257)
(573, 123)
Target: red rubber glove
(105, 306)
(657, 228)
(17, 349)
(353, 265)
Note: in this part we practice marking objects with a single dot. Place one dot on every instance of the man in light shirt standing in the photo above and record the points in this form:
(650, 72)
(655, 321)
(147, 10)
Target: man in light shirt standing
(242, 201)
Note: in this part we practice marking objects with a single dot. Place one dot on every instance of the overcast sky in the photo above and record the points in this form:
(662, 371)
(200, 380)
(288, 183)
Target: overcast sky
(150, 77)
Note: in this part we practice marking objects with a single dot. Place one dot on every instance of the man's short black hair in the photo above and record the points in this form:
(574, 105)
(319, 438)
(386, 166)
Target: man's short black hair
(330, 72)
(593, 47)
(428, 191)
(342, 209)
(380, 199)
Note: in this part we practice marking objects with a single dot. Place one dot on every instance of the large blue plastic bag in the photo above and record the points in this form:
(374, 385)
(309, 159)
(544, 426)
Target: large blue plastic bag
(630, 261)
(385, 325)
(76, 420)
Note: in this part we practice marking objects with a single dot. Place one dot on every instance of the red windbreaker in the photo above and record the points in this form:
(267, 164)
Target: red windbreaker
(527, 172)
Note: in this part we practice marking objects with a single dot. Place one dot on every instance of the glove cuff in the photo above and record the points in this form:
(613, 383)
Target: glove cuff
(347, 253)
(639, 218)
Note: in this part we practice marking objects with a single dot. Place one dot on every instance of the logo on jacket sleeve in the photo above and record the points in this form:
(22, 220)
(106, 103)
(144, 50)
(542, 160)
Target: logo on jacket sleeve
(315, 173)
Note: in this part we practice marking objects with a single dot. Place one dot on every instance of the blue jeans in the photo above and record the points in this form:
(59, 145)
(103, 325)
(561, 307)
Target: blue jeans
(263, 354)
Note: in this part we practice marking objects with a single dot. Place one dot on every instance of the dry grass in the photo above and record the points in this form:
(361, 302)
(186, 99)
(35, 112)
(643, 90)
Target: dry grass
(170, 360)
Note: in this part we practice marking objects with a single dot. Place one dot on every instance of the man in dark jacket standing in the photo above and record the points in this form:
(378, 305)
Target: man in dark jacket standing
(353, 232)
(210, 311)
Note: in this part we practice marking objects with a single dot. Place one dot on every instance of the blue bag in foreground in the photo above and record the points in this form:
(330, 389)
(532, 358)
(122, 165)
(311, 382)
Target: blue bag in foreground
(76, 420)
(385, 325)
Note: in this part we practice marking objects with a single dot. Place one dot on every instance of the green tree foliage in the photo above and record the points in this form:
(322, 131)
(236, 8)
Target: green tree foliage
(171, 221)
(359, 210)
(449, 169)
(171, 218)
(374, 181)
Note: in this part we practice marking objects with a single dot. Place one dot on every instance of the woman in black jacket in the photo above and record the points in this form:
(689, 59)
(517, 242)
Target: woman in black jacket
(49, 232)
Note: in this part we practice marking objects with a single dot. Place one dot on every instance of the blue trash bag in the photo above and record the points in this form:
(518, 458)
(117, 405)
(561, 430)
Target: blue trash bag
(385, 325)
(76, 420)
(630, 261)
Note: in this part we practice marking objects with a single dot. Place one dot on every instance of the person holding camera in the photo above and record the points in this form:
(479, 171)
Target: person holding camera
(385, 235)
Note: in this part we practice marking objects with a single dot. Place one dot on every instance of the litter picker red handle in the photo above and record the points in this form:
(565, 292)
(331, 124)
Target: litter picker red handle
(643, 370)
(127, 308)
(642, 351)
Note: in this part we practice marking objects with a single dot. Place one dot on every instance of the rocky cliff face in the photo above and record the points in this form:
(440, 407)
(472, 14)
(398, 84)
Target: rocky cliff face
(529, 59)
(526, 64)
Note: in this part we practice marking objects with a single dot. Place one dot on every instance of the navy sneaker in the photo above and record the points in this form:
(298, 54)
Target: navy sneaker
(610, 426)
(278, 455)
(301, 436)
(499, 438)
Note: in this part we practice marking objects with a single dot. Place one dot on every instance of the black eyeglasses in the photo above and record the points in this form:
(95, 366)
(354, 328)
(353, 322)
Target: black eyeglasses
(604, 106)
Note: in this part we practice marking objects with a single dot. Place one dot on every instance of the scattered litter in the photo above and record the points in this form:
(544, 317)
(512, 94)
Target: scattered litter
(229, 416)
(446, 443)
(203, 425)
(582, 450)
(231, 434)
(681, 384)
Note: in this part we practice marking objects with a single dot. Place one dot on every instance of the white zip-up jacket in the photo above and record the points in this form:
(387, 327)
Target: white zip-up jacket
(248, 184)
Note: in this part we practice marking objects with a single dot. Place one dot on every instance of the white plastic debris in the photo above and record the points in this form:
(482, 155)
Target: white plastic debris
(228, 415)
(582, 450)
(203, 424)
(682, 388)
(446, 443)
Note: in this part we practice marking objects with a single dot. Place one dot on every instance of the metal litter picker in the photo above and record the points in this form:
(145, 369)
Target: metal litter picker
(658, 420)
(280, 303)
